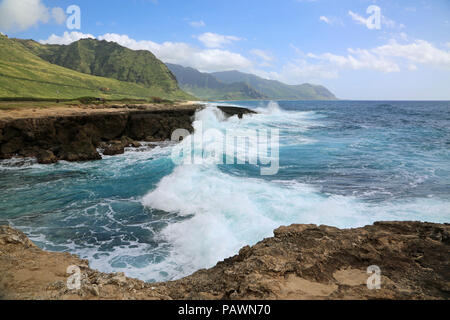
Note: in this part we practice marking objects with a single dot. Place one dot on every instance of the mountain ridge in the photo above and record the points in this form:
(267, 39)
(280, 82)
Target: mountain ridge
(206, 86)
(236, 85)
(275, 89)
(107, 59)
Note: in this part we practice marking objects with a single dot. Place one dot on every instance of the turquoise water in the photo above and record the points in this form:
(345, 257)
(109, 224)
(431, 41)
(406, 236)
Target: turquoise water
(345, 164)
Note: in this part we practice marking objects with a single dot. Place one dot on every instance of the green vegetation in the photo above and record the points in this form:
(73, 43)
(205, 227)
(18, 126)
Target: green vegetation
(24, 74)
(236, 91)
(44, 103)
(275, 89)
(37, 104)
(205, 86)
(107, 59)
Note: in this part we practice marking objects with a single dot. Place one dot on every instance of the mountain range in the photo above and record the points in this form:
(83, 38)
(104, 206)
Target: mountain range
(235, 85)
(206, 86)
(91, 67)
(276, 89)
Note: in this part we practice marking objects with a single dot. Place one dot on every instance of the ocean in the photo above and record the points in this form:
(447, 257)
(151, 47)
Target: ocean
(341, 163)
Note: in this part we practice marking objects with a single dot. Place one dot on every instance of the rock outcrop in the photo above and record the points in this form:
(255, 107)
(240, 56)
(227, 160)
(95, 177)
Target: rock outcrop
(299, 262)
(76, 137)
(231, 111)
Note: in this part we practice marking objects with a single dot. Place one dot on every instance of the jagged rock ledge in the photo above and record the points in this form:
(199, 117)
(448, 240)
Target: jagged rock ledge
(299, 262)
(76, 133)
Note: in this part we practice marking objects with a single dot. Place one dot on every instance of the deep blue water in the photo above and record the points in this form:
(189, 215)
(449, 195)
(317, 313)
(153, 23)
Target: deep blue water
(342, 163)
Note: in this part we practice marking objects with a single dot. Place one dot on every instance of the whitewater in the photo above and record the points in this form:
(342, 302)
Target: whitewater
(344, 164)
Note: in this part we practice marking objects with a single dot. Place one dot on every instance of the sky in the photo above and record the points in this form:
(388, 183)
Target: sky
(359, 49)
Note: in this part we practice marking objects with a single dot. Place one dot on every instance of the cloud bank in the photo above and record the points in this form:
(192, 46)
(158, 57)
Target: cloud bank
(214, 40)
(23, 14)
(206, 60)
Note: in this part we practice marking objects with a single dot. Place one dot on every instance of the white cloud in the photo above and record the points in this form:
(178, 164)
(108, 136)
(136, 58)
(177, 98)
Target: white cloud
(185, 54)
(66, 38)
(391, 23)
(197, 24)
(403, 36)
(206, 60)
(388, 58)
(325, 19)
(419, 51)
(332, 21)
(384, 20)
(356, 17)
(297, 50)
(262, 54)
(214, 40)
(358, 59)
(300, 70)
(59, 15)
(23, 14)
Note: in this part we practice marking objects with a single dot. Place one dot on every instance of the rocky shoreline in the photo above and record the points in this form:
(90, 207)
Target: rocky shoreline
(76, 135)
(299, 262)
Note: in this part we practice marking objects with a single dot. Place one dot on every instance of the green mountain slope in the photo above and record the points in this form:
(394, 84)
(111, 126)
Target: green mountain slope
(275, 89)
(107, 59)
(205, 86)
(24, 74)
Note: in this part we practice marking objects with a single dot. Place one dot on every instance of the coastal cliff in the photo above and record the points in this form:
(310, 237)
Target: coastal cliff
(299, 262)
(76, 134)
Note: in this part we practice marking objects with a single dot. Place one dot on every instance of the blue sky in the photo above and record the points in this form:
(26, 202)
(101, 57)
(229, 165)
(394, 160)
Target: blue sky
(295, 41)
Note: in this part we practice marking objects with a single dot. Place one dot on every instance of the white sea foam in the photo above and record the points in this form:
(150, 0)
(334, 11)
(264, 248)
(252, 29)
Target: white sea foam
(229, 212)
(18, 163)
